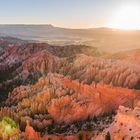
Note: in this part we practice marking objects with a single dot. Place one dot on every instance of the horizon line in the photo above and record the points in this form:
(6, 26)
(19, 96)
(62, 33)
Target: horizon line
(55, 26)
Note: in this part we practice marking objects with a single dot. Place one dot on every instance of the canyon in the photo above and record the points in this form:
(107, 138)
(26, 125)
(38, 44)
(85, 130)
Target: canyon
(69, 91)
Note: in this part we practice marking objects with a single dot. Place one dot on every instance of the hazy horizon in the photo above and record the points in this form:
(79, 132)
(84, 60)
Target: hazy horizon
(45, 24)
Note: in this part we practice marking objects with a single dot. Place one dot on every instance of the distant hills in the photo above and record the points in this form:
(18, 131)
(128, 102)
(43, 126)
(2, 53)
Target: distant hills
(106, 39)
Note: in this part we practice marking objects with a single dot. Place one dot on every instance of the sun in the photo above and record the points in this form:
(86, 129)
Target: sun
(127, 17)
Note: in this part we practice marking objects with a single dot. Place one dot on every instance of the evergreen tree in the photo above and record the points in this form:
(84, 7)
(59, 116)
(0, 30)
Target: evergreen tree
(107, 137)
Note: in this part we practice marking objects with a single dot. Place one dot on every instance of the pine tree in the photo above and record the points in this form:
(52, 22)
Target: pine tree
(107, 137)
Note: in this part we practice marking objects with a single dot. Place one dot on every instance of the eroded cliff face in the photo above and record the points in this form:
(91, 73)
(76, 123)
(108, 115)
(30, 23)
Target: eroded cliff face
(125, 126)
(69, 89)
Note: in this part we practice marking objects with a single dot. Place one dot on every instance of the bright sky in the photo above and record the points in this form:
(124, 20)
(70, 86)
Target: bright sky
(71, 13)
